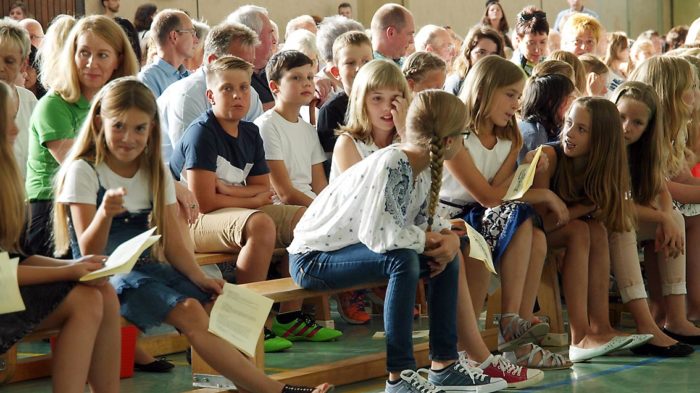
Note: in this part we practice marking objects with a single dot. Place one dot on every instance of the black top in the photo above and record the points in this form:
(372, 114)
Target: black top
(131, 34)
(330, 117)
(259, 83)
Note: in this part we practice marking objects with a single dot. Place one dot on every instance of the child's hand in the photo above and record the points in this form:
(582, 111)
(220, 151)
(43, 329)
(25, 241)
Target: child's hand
(85, 265)
(669, 238)
(264, 198)
(542, 162)
(323, 88)
(113, 202)
(399, 107)
(189, 208)
(214, 286)
(441, 248)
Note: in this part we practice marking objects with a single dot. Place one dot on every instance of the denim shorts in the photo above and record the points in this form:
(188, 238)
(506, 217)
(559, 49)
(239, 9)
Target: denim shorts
(151, 291)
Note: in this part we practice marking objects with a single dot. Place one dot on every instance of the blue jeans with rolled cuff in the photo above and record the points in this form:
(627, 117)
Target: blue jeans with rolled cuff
(356, 264)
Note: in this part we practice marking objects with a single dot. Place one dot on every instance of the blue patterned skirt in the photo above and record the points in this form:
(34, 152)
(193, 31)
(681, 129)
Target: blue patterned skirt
(496, 224)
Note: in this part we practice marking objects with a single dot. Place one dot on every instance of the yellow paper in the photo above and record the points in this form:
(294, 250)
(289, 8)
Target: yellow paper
(238, 317)
(478, 248)
(124, 257)
(523, 178)
(9, 287)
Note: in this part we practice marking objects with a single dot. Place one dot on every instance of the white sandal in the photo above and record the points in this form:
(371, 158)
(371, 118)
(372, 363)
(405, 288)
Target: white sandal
(548, 360)
(520, 332)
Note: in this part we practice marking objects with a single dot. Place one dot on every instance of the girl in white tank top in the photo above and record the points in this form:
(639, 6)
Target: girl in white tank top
(474, 184)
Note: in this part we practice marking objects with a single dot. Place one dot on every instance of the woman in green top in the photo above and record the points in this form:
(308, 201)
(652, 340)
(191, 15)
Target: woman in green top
(97, 51)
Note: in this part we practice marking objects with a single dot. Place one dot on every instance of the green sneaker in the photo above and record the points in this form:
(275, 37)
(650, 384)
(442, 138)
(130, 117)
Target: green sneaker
(304, 328)
(274, 343)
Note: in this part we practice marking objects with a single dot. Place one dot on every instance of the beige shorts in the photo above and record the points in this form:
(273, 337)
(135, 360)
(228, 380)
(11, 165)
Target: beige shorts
(223, 230)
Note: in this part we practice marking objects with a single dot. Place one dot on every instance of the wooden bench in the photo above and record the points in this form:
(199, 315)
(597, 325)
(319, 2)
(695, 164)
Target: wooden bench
(339, 373)
(14, 369)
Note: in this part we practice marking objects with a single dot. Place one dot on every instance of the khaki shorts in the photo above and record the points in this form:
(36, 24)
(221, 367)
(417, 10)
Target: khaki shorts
(223, 230)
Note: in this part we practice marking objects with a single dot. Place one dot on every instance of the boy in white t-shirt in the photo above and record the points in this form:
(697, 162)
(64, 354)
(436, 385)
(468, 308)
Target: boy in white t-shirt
(292, 149)
(14, 52)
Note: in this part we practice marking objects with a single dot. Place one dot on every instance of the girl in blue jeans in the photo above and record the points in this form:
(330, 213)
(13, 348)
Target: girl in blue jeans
(377, 221)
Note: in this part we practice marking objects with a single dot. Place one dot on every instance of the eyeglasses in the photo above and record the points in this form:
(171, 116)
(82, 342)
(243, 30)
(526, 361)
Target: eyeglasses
(191, 31)
(524, 17)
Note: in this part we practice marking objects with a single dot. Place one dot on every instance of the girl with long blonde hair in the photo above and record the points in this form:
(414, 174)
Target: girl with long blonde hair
(112, 187)
(676, 84)
(588, 171)
(376, 114)
(474, 187)
(642, 125)
(87, 348)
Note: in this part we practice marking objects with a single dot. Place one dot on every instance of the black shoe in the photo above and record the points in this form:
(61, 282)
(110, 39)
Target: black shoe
(676, 350)
(157, 366)
(690, 340)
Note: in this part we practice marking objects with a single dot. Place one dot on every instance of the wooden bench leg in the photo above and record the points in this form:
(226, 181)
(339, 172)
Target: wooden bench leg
(8, 364)
(549, 297)
(322, 309)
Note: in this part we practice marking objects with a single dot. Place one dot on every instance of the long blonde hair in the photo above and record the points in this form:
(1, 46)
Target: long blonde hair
(12, 203)
(647, 156)
(375, 75)
(65, 79)
(670, 77)
(112, 101)
(488, 75)
(49, 53)
(433, 116)
(605, 180)
(576, 64)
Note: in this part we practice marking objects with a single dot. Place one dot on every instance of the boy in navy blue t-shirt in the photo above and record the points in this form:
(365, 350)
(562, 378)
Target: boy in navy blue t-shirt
(222, 160)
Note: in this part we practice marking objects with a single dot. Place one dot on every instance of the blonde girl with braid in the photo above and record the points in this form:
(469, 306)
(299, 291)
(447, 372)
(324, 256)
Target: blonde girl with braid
(377, 222)
(474, 187)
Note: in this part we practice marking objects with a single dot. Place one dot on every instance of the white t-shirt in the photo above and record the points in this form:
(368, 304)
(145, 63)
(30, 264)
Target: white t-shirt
(81, 186)
(27, 102)
(296, 144)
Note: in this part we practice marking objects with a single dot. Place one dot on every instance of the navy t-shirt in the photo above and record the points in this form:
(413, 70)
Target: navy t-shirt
(205, 141)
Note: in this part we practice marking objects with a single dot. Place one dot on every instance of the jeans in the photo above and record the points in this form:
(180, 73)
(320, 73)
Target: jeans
(356, 264)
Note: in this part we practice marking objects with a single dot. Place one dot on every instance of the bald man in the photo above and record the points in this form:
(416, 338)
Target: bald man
(36, 32)
(392, 32)
(436, 40)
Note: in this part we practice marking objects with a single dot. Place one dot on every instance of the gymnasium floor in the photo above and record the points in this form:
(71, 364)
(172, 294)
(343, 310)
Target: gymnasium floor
(623, 372)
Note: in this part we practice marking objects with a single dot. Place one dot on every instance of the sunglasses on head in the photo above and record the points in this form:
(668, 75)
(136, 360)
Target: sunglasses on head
(537, 14)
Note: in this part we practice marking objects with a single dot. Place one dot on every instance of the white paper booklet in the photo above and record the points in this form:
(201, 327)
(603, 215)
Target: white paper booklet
(9, 287)
(124, 257)
(238, 316)
(523, 178)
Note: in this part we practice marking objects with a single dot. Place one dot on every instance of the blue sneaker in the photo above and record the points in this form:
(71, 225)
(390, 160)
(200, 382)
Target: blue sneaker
(461, 377)
(411, 382)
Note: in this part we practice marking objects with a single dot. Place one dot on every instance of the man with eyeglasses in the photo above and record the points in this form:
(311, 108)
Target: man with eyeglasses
(531, 35)
(175, 39)
(111, 7)
(36, 32)
(436, 40)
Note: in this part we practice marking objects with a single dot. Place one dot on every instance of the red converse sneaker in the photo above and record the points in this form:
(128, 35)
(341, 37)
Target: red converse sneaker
(517, 377)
